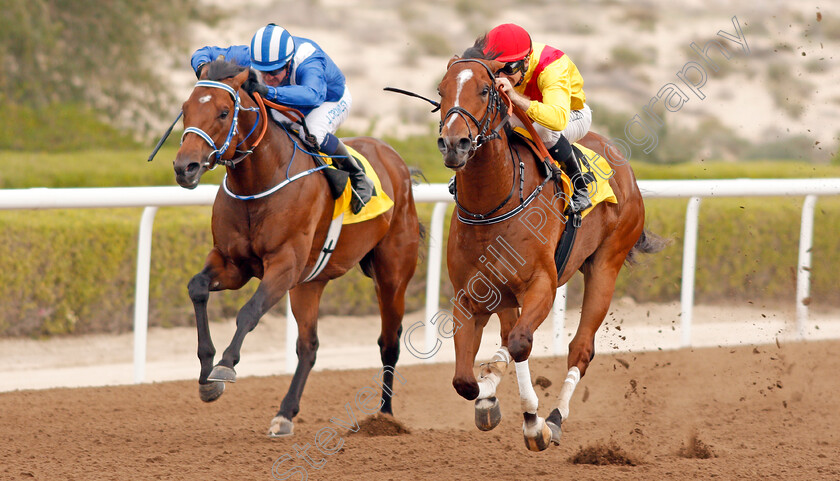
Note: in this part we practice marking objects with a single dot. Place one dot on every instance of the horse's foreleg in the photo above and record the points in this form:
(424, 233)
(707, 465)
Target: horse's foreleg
(467, 338)
(274, 285)
(536, 304)
(305, 300)
(599, 284)
(488, 414)
(199, 291)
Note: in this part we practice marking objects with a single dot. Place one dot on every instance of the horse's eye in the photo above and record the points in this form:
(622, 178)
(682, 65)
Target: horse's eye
(485, 91)
(224, 114)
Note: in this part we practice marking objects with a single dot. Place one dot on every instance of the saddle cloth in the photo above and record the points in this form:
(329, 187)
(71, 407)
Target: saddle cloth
(379, 203)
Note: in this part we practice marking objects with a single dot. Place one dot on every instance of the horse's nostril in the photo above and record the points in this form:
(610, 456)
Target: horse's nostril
(192, 168)
(464, 144)
(442, 145)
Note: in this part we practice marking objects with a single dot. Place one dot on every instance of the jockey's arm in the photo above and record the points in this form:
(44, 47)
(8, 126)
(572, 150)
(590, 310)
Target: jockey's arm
(555, 86)
(241, 54)
(310, 89)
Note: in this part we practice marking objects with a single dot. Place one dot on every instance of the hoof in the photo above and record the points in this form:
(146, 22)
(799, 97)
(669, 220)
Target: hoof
(210, 392)
(222, 373)
(538, 437)
(554, 421)
(488, 414)
(280, 427)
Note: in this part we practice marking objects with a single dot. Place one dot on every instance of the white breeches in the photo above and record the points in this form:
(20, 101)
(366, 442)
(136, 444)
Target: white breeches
(576, 129)
(324, 119)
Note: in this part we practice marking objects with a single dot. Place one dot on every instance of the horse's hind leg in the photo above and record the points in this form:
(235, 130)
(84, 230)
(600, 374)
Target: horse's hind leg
(488, 413)
(393, 267)
(599, 283)
(305, 299)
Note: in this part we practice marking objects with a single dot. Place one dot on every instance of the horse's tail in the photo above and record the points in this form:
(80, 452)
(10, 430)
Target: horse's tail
(366, 264)
(416, 177)
(648, 243)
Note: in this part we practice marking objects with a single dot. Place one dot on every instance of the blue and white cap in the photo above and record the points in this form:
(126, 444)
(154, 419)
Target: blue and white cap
(271, 48)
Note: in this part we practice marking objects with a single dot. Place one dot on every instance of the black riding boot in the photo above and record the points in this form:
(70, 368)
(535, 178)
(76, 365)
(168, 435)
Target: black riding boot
(360, 183)
(562, 153)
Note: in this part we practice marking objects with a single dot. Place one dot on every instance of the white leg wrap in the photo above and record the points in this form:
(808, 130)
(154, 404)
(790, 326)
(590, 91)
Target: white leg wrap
(527, 395)
(492, 375)
(572, 379)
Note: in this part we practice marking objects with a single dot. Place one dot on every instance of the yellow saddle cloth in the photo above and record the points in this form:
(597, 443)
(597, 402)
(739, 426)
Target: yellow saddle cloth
(599, 189)
(379, 204)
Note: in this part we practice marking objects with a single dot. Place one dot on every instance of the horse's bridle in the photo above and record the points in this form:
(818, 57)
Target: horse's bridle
(219, 151)
(497, 104)
(495, 107)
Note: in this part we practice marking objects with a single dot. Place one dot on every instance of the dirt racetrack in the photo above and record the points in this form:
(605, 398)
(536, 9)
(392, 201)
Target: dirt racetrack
(766, 412)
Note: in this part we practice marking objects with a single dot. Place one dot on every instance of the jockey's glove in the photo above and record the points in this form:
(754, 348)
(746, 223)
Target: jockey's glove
(252, 86)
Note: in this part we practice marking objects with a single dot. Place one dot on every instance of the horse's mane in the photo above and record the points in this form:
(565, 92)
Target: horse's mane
(221, 69)
(477, 50)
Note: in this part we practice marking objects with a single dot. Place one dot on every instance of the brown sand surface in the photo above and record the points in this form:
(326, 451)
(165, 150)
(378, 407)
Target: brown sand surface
(765, 412)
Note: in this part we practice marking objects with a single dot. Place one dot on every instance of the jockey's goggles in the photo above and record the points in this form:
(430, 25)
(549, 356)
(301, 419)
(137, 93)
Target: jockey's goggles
(512, 68)
(278, 72)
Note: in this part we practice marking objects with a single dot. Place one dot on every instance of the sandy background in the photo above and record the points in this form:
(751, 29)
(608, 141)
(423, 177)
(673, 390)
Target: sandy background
(768, 412)
(406, 44)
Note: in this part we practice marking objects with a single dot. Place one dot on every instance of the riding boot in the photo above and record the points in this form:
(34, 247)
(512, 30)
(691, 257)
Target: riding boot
(562, 152)
(361, 185)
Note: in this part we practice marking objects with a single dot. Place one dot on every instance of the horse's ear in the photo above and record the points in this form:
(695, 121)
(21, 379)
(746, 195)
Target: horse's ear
(495, 65)
(454, 58)
(240, 78)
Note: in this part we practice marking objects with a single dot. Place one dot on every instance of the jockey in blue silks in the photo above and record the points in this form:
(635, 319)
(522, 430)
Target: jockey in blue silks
(296, 72)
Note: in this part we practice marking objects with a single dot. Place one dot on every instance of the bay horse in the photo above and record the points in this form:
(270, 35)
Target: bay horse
(277, 234)
(519, 270)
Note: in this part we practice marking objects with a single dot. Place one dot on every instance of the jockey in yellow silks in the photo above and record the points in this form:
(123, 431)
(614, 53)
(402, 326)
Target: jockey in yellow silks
(547, 85)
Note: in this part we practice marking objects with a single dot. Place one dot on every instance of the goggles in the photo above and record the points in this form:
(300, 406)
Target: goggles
(277, 72)
(512, 68)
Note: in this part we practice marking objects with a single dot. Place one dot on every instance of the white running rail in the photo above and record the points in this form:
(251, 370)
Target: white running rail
(151, 198)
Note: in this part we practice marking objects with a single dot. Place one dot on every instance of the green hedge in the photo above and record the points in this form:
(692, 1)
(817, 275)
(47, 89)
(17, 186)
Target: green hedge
(72, 271)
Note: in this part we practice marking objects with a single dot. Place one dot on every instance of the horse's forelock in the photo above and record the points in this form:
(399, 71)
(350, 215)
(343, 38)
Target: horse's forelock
(221, 69)
(477, 50)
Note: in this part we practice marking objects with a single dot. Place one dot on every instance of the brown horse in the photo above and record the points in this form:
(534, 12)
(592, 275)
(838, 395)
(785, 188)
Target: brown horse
(498, 263)
(278, 237)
